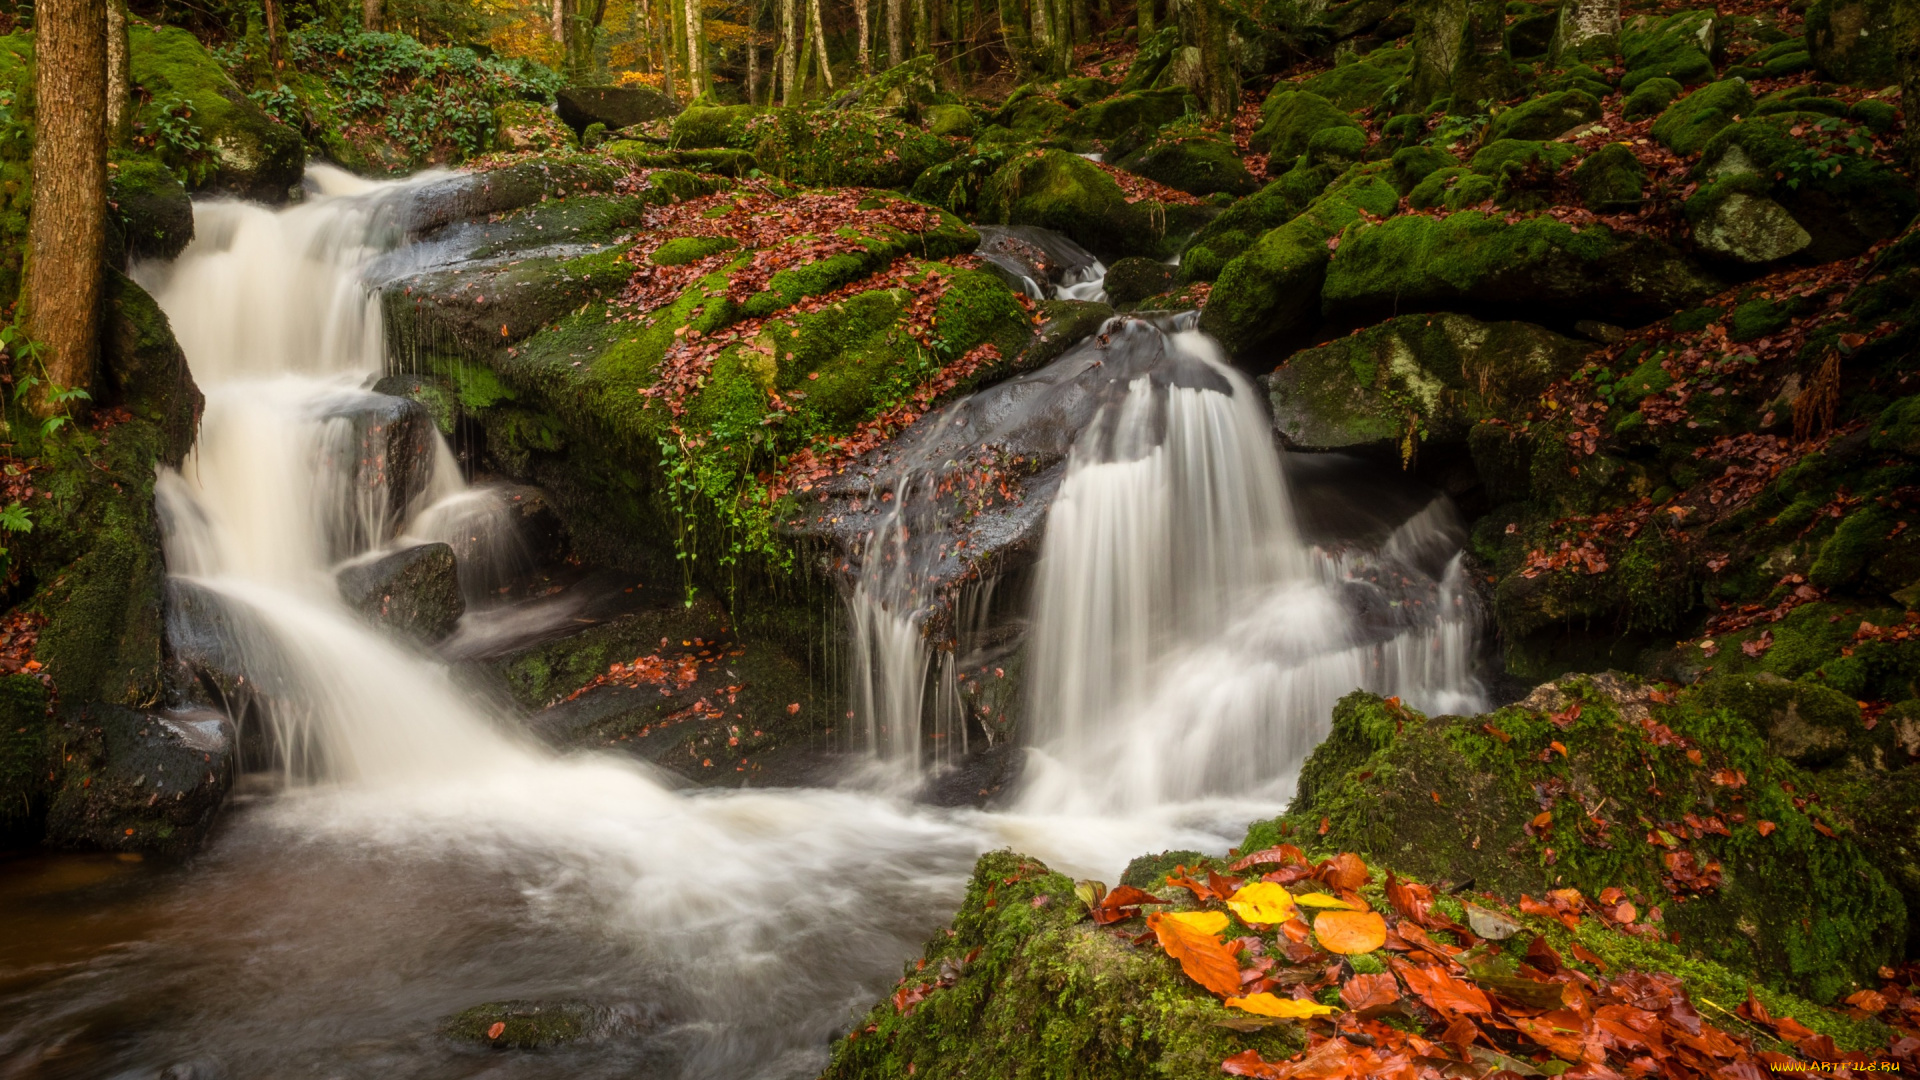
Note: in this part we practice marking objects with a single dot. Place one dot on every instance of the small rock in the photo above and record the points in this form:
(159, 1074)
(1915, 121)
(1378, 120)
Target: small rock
(414, 591)
(524, 1025)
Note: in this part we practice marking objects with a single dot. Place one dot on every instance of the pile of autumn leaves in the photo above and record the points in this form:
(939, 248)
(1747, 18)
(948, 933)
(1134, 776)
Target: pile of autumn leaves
(1500, 1003)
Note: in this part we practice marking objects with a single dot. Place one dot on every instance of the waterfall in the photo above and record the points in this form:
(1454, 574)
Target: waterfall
(1186, 643)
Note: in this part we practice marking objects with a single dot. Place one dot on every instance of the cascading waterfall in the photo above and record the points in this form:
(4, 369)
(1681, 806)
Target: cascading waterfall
(1186, 644)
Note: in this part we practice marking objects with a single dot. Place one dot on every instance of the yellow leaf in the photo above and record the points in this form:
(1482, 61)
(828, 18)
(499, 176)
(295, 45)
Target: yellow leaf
(1262, 902)
(1322, 900)
(1207, 922)
(1284, 1008)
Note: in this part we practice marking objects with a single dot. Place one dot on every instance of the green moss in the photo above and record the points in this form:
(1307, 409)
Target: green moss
(1361, 82)
(1673, 48)
(1445, 798)
(954, 120)
(843, 146)
(1197, 166)
(527, 1025)
(200, 123)
(1546, 116)
(1290, 119)
(1690, 123)
(1337, 146)
(27, 757)
(1045, 993)
(1611, 180)
(1413, 164)
(1114, 117)
(1651, 98)
(1246, 221)
(716, 126)
(686, 249)
(1064, 192)
(1757, 318)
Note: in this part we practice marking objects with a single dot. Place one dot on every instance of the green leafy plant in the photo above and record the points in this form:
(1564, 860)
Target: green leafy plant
(27, 353)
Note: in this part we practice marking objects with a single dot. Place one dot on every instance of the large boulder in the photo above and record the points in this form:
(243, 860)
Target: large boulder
(1689, 124)
(413, 592)
(1247, 220)
(1854, 41)
(716, 127)
(1289, 119)
(1359, 82)
(1545, 117)
(204, 126)
(614, 106)
(151, 215)
(1069, 194)
(1535, 267)
(1197, 166)
(1747, 228)
(1678, 47)
(1109, 119)
(1844, 200)
(1272, 290)
(382, 449)
(141, 780)
(1413, 380)
(850, 147)
(1680, 805)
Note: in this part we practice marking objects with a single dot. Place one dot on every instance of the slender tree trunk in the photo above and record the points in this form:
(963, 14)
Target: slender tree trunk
(1485, 72)
(116, 26)
(896, 32)
(120, 75)
(1082, 22)
(1221, 82)
(1043, 43)
(560, 22)
(1438, 29)
(1063, 36)
(753, 52)
(790, 50)
(370, 14)
(1143, 18)
(922, 29)
(67, 229)
(1587, 30)
(667, 33)
(699, 78)
(862, 15)
(820, 44)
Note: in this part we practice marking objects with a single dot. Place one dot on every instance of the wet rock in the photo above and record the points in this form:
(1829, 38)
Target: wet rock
(1810, 725)
(414, 592)
(29, 759)
(537, 522)
(1031, 259)
(1064, 324)
(614, 106)
(151, 216)
(253, 156)
(383, 450)
(1150, 871)
(1132, 280)
(479, 195)
(1750, 229)
(1414, 380)
(1069, 194)
(525, 1025)
(142, 780)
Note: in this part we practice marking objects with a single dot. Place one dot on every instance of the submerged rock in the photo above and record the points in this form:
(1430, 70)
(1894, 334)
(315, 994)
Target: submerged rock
(414, 592)
(525, 1025)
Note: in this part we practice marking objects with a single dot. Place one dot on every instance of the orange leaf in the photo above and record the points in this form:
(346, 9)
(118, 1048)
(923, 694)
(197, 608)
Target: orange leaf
(1543, 819)
(1350, 932)
(499, 1027)
(1557, 748)
(1344, 871)
(1201, 955)
(1766, 828)
(1447, 995)
(1363, 992)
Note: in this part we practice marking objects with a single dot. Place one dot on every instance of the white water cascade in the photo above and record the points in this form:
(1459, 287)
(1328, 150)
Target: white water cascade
(1186, 643)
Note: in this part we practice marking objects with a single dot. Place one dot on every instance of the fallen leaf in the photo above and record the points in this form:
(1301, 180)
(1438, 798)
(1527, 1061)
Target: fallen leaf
(1265, 1004)
(1766, 828)
(1363, 992)
(499, 1028)
(1321, 900)
(1350, 932)
(1262, 902)
(1191, 937)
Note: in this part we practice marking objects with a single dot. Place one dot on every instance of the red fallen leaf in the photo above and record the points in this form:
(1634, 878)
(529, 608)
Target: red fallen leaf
(499, 1028)
(1285, 854)
(1542, 956)
(1446, 995)
(1868, 1001)
(1420, 939)
(1558, 748)
(793, 708)
(1586, 956)
(1410, 900)
(1756, 646)
(1560, 1032)
(1296, 930)
(1611, 895)
(1344, 871)
(1624, 912)
(1542, 819)
(1766, 828)
(1364, 992)
(1201, 955)
(1565, 717)
(1121, 904)
(1733, 778)
(1496, 733)
(1821, 828)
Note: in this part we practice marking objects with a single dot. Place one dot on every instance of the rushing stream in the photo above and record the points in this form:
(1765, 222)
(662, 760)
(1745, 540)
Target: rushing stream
(416, 854)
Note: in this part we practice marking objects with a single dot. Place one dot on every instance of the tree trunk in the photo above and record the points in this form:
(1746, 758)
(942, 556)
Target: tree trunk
(820, 44)
(790, 50)
(67, 229)
(1587, 30)
(1082, 22)
(560, 22)
(1062, 17)
(120, 75)
(922, 29)
(1221, 83)
(1906, 56)
(1438, 28)
(1485, 72)
(1143, 18)
(753, 52)
(896, 32)
(862, 13)
(699, 77)
(1043, 44)
(668, 19)
(370, 14)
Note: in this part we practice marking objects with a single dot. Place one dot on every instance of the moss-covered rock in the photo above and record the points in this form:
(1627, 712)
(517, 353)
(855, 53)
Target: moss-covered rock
(850, 147)
(1690, 123)
(1678, 47)
(951, 120)
(1611, 180)
(1236, 229)
(151, 216)
(1845, 200)
(1069, 194)
(715, 127)
(1024, 986)
(203, 125)
(1290, 119)
(1537, 267)
(1109, 119)
(1651, 98)
(1854, 41)
(1455, 798)
(1361, 82)
(1133, 279)
(613, 107)
(1413, 380)
(1272, 290)
(139, 780)
(1546, 116)
(1745, 226)
(1200, 165)
(522, 127)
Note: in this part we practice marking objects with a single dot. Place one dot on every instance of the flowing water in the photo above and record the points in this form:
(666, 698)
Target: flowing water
(417, 854)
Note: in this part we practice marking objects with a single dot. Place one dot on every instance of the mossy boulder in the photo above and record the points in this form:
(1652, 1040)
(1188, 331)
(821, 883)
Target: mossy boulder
(1336, 146)
(524, 1025)
(1289, 119)
(1109, 119)
(150, 215)
(1611, 180)
(1523, 171)
(1678, 47)
(1025, 986)
(1537, 267)
(951, 120)
(1690, 123)
(1272, 290)
(1361, 82)
(1200, 165)
(715, 127)
(1150, 62)
(1844, 200)
(1069, 194)
(1236, 229)
(844, 147)
(1651, 98)
(1457, 799)
(204, 126)
(613, 107)
(522, 127)
(1454, 187)
(1413, 380)
(1133, 279)
(1854, 41)
(1810, 725)
(1545, 117)
(1745, 226)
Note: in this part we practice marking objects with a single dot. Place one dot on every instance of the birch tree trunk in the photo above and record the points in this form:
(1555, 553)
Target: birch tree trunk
(120, 75)
(896, 32)
(560, 22)
(862, 12)
(753, 52)
(67, 229)
(820, 45)
(699, 80)
(790, 50)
